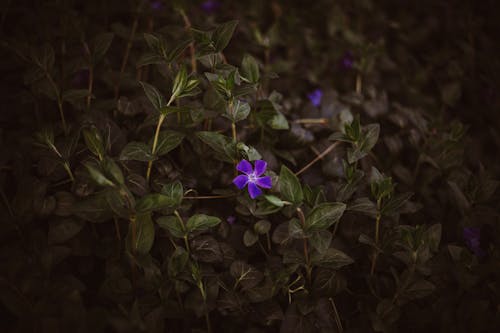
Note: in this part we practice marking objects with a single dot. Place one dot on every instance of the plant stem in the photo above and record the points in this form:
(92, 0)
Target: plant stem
(320, 156)
(186, 242)
(316, 121)
(205, 197)
(68, 170)
(117, 229)
(155, 143)
(127, 51)
(91, 83)
(377, 232)
(337, 317)
(358, 83)
(187, 24)
(302, 218)
(233, 130)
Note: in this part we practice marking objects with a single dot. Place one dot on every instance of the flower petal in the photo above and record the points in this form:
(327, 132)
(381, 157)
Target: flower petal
(260, 167)
(245, 167)
(253, 190)
(264, 182)
(240, 181)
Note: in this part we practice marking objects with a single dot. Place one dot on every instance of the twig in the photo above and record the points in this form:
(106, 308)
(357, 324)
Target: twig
(337, 317)
(323, 154)
(192, 52)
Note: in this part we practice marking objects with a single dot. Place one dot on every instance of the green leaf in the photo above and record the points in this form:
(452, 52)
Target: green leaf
(180, 82)
(278, 122)
(250, 69)
(167, 141)
(371, 134)
(149, 59)
(100, 46)
(274, 200)
(395, 203)
(174, 191)
(217, 142)
(152, 202)
(237, 111)
(61, 231)
(250, 238)
(166, 110)
(113, 170)
(173, 225)
(137, 151)
(98, 176)
(154, 96)
(177, 262)
(245, 275)
(433, 235)
(222, 35)
(262, 227)
(201, 222)
(321, 240)
(290, 187)
(93, 141)
(145, 234)
(365, 206)
(73, 95)
(331, 258)
(324, 215)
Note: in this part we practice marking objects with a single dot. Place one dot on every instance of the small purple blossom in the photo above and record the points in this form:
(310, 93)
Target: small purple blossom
(472, 238)
(315, 97)
(347, 60)
(252, 177)
(231, 219)
(210, 6)
(156, 5)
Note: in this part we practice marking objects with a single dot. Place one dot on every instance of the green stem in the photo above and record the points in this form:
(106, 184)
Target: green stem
(377, 236)
(337, 317)
(68, 170)
(186, 242)
(155, 143)
(302, 218)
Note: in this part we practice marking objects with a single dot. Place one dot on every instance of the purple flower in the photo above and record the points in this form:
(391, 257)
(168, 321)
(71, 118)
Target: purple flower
(347, 61)
(210, 6)
(252, 177)
(156, 5)
(315, 97)
(231, 219)
(472, 238)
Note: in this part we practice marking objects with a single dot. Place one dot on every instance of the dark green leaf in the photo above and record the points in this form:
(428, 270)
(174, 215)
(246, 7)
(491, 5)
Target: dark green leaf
(174, 191)
(250, 238)
(173, 225)
(324, 215)
(61, 231)
(137, 151)
(222, 35)
(93, 141)
(262, 227)
(290, 187)
(154, 96)
(152, 202)
(250, 69)
(331, 258)
(167, 141)
(321, 240)
(145, 234)
(100, 46)
(201, 222)
(96, 175)
(246, 275)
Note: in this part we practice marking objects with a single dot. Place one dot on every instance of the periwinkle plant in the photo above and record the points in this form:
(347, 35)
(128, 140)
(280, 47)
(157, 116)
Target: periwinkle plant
(176, 190)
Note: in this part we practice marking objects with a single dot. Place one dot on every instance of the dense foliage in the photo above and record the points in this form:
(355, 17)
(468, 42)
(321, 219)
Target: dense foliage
(261, 166)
